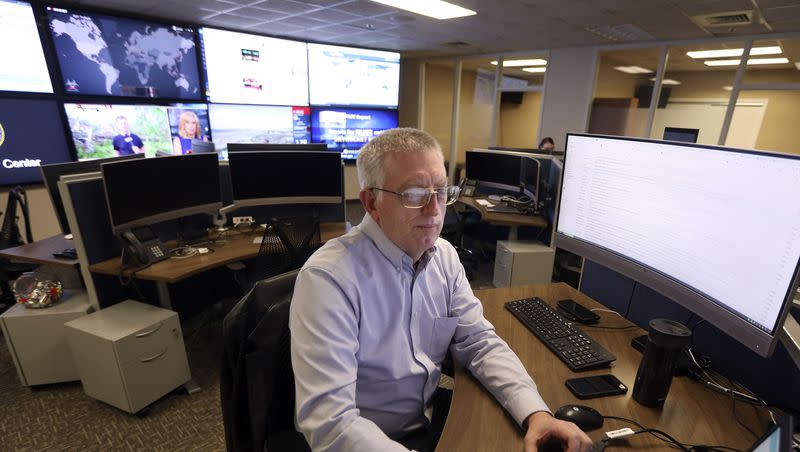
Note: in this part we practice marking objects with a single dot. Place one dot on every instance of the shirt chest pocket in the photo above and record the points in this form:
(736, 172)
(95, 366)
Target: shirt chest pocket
(443, 329)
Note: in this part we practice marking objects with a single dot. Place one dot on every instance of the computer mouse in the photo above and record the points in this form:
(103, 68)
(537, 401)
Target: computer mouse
(585, 417)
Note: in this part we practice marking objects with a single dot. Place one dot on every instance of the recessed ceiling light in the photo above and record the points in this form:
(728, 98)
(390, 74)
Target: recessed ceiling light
(437, 9)
(721, 53)
(749, 61)
(520, 63)
(667, 81)
(534, 69)
(633, 69)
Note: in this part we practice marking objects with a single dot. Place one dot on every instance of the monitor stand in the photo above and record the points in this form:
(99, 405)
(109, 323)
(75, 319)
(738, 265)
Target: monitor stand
(681, 366)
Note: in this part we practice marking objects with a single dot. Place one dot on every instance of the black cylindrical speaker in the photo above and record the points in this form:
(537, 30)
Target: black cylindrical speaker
(666, 341)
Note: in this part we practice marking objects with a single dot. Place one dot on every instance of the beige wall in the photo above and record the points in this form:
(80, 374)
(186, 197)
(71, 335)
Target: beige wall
(408, 104)
(474, 119)
(43, 217)
(611, 83)
(519, 123)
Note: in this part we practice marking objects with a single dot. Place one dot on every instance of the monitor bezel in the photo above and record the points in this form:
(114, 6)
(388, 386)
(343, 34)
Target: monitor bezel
(118, 228)
(749, 335)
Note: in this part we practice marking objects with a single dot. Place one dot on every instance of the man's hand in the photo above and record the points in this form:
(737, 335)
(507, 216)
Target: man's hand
(543, 427)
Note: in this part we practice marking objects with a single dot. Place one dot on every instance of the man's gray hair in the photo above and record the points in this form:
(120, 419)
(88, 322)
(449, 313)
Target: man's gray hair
(371, 157)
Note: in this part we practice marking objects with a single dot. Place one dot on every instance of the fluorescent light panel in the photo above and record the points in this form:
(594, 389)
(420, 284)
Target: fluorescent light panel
(633, 69)
(749, 61)
(437, 9)
(721, 53)
(521, 63)
(534, 69)
(667, 81)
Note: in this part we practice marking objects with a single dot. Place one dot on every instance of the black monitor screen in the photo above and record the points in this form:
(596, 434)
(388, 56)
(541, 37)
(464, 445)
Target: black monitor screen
(348, 129)
(52, 173)
(147, 191)
(115, 56)
(276, 174)
(31, 135)
(494, 168)
(681, 134)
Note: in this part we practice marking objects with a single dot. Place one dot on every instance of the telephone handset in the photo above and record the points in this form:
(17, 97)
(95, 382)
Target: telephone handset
(142, 247)
(468, 187)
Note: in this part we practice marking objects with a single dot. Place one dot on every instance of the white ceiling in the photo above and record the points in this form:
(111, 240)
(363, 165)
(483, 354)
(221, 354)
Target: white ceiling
(500, 25)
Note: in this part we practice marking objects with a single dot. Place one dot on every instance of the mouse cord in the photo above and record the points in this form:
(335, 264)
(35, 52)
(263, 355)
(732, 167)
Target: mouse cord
(663, 436)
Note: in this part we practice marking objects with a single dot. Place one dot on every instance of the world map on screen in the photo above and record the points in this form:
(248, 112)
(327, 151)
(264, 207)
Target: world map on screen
(123, 57)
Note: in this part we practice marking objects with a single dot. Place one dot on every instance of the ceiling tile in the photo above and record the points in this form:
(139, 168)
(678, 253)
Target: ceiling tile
(274, 29)
(301, 21)
(230, 21)
(287, 6)
(783, 14)
(365, 8)
(696, 8)
(325, 3)
(258, 13)
(331, 15)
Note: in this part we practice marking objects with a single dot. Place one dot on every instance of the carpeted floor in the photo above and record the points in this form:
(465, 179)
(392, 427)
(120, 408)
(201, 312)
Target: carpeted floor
(60, 417)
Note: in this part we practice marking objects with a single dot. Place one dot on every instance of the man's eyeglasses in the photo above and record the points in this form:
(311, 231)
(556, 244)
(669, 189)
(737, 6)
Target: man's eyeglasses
(418, 197)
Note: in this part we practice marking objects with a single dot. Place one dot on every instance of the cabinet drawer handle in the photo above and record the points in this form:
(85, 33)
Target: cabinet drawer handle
(147, 333)
(153, 358)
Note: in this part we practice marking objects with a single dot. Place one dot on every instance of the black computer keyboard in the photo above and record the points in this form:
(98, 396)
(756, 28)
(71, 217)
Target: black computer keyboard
(577, 350)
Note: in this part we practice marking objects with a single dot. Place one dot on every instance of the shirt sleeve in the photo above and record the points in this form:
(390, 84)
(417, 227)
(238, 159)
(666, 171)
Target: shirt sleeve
(481, 351)
(137, 141)
(324, 332)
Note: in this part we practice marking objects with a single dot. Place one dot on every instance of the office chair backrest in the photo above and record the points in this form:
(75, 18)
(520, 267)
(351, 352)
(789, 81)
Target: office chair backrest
(257, 382)
(287, 244)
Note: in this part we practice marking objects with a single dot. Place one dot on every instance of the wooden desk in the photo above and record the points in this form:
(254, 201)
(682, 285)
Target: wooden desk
(239, 247)
(504, 219)
(41, 251)
(692, 414)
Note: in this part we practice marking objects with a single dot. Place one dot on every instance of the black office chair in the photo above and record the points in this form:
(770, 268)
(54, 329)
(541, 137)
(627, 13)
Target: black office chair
(9, 237)
(455, 225)
(256, 381)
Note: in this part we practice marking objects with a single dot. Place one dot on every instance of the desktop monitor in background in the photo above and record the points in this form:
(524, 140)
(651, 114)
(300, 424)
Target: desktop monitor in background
(24, 67)
(147, 191)
(346, 130)
(778, 437)
(104, 130)
(243, 68)
(350, 76)
(256, 147)
(117, 56)
(276, 177)
(52, 173)
(495, 169)
(188, 123)
(681, 134)
(725, 250)
(259, 124)
(31, 135)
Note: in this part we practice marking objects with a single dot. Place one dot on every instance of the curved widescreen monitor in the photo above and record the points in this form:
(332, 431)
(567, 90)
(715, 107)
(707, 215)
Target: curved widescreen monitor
(31, 135)
(23, 67)
(117, 56)
(350, 76)
(286, 177)
(147, 191)
(51, 174)
(243, 68)
(715, 229)
(346, 130)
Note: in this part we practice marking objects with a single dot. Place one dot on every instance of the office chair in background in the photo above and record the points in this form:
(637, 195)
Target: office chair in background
(456, 223)
(10, 237)
(256, 380)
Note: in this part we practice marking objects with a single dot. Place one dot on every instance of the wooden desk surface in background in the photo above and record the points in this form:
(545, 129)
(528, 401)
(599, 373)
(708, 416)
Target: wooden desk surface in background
(239, 247)
(41, 251)
(692, 413)
(508, 219)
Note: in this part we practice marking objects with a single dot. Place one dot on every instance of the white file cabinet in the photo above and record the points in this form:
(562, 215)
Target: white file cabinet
(37, 342)
(130, 354)
(520, 262)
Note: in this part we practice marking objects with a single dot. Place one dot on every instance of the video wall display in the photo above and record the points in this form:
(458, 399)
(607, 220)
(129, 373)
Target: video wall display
(259, 124)
(188, 122)
(31, 135)
(351, 76)
(243, 68)
(347, 130)
(115, 56)
(24, 67)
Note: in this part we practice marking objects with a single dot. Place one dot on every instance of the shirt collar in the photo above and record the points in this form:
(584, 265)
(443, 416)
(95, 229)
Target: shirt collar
(391, 251)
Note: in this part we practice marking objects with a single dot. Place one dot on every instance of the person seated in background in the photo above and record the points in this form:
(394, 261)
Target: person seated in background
(188, 130)
(547, 144)
(375, 311)
(126, 143)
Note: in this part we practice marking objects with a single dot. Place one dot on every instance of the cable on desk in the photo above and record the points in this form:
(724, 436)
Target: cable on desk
(664, 436)
(605, 310)
(630, 299)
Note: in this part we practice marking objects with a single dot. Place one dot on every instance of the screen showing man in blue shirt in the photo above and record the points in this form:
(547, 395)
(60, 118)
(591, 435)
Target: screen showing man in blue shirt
(126, 143)
(375, 311)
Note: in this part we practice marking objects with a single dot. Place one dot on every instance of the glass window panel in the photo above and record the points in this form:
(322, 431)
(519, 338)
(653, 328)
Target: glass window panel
(694, 95)
(766, 120)
(785, 53)
(518, 121)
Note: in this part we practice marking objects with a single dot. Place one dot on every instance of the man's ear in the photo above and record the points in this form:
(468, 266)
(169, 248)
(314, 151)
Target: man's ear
(369, 201)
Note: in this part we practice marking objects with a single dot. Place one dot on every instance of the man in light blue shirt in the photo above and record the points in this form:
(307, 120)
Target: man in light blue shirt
(375, 311)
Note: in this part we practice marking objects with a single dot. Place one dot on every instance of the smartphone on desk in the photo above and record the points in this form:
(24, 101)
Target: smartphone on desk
(573, 310)
(596, 386)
